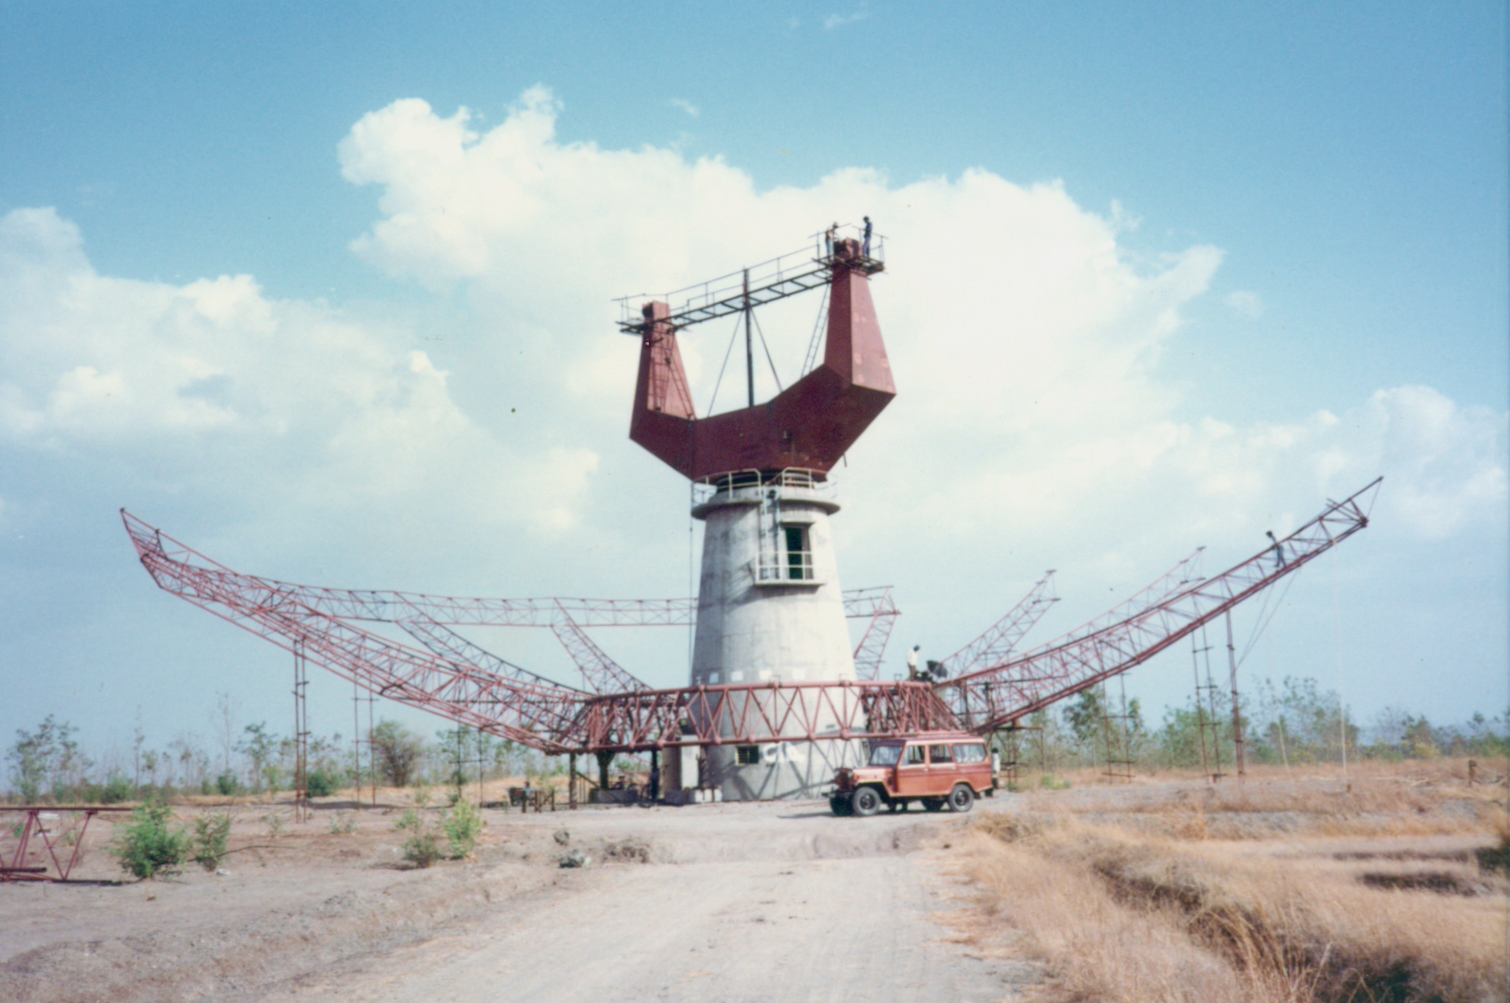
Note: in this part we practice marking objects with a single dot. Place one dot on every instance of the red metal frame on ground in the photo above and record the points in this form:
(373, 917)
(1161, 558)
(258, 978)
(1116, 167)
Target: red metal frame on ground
(19, 868)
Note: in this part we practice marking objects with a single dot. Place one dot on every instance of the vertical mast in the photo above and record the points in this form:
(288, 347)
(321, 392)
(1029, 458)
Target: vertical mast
(749, 345)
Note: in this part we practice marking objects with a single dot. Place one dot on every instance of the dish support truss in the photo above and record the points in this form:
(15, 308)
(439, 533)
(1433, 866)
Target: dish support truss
(455, 679)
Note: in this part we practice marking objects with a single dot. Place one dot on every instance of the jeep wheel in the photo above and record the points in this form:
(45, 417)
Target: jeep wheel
(933, 804)
(867, 801)
(961, 798)
(840, 805)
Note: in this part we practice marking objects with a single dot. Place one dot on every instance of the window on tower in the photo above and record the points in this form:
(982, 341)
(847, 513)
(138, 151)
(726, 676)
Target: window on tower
(799, 559)
(747, 755)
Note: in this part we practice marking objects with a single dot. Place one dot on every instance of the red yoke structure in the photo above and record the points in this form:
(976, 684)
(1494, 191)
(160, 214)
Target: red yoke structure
(809, 425)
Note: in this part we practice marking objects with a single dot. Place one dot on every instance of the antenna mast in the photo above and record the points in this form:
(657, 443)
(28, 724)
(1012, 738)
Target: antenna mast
(749, 344)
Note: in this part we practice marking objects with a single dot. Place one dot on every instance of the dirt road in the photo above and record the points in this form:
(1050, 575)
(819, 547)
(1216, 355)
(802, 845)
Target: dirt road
(728, 902)
(735, 903)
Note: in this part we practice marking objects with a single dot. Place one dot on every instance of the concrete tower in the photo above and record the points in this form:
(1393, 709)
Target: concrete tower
(770, 608)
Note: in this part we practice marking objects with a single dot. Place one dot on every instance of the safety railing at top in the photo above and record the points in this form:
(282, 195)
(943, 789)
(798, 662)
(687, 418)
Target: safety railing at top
(791, 273)
(798, 478)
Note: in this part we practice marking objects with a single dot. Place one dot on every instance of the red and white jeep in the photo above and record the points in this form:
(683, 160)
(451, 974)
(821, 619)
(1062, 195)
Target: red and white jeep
(937, 768)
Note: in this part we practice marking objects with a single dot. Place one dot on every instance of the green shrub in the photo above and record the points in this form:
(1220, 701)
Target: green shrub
(227, 785)
(322, 783)
(343, 824)
(117, 789)
(148, 843)
(462, 827)
(211, 833)
(423, 848)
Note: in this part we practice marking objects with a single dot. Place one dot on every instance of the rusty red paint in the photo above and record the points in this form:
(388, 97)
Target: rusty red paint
(461, 682)
(809, 425)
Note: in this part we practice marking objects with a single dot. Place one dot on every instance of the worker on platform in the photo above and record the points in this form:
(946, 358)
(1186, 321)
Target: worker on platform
(828, 239)
(865, 248)
(912, 661)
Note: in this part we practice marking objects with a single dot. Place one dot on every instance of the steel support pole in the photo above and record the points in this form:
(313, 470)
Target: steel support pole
(1237, 717)
(749, 341)
(301, 734)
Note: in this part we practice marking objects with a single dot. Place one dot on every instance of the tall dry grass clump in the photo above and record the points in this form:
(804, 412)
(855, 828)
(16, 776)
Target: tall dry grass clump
(1124, 910)
(1098, 946)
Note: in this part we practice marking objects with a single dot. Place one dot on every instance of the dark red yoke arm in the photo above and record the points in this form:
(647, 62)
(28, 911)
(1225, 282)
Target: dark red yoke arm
(811, 424)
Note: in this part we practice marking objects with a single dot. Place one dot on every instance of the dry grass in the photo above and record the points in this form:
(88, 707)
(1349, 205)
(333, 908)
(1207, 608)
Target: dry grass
(1374, 895)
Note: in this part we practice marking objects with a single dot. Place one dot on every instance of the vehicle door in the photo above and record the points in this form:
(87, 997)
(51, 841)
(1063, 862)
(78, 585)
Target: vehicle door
(941, 770)
(972, 765)
(912, 771)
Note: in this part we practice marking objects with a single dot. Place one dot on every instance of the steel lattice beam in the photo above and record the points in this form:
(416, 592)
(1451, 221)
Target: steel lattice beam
(457, 680)
(992, 647)
(996, 696)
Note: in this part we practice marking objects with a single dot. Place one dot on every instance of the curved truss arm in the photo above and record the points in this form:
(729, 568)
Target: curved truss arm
(602, 673)
(877, 604)
(992, 647)
(503, 700)
(543, 716)
(993, 697)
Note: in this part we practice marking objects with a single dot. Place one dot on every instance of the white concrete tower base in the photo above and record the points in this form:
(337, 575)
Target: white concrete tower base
(770, 608)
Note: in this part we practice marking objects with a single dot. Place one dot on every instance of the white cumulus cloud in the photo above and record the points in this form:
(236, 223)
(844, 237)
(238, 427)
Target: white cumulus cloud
(214, 386)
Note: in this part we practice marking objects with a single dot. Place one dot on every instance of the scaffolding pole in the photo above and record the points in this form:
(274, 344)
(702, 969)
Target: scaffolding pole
(1119, 762)
(1240, 748)
(1205, 707)
(301, 733)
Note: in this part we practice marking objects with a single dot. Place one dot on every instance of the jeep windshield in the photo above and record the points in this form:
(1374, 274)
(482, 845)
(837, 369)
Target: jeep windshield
(885, 755)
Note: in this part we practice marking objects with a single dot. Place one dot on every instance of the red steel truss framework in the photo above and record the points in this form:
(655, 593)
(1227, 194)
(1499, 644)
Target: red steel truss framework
(996, 643)
(456, 679)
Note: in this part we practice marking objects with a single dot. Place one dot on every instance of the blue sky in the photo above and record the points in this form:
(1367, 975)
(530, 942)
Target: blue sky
(1305, 207)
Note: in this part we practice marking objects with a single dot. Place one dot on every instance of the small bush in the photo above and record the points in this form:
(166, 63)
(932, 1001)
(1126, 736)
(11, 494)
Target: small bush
(322, 783)
(275, 824)
(423, 848)
(211, 833)
(117, 789)
(148, 844)
(227, 785)
(462, 827)
(344, 824)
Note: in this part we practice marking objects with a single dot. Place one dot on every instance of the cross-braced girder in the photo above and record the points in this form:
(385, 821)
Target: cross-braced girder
(457, 680)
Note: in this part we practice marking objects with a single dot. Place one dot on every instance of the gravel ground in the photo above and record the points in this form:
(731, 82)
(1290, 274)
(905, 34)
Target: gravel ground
(709, 902)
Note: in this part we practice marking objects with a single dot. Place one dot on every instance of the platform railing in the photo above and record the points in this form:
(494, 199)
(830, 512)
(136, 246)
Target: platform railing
(779, 567)
(798, 478)
(778, 278)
